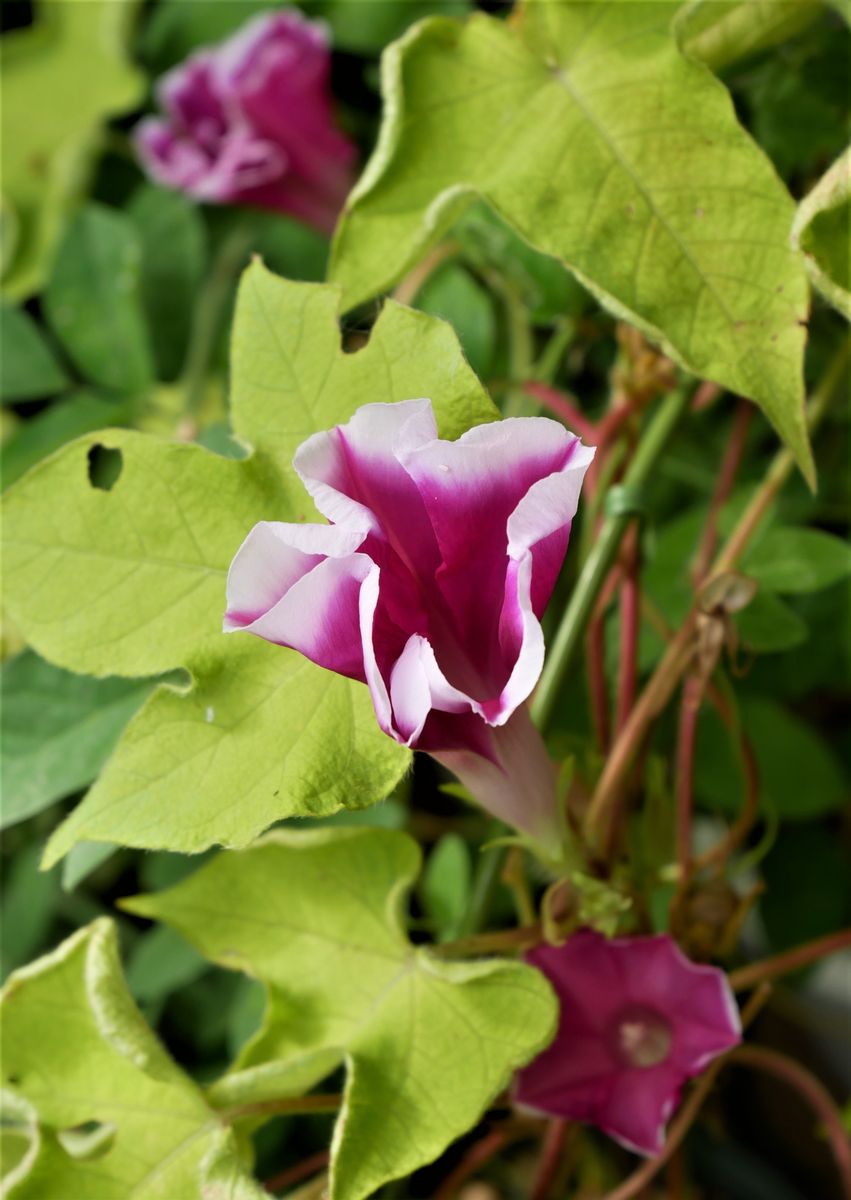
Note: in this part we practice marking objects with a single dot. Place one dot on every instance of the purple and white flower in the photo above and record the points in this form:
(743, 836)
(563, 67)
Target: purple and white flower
(250, 122)
(428, 585)
(637, 1020)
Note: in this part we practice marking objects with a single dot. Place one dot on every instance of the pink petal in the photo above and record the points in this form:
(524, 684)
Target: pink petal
(417, 685)
(639, 1107)
(470, 489)
(283, 588)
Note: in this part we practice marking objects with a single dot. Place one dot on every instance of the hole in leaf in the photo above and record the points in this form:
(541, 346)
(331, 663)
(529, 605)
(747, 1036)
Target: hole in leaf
(105, 467)
(91, 1139)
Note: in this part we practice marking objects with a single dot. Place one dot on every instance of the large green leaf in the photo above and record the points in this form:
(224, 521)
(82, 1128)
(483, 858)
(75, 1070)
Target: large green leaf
(822, 229)
(77, 1052)
(130, 581)
(585, 126)
(78, 413)
(61, 80)
(793, 560)
(317, 917)
(58, 730)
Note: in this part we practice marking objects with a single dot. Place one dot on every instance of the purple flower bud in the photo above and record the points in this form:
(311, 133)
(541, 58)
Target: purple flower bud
(428, 585)
(637, 1020)
(250, 122)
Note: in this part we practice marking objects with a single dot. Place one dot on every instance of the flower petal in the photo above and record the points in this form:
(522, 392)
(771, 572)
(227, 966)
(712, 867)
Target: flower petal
(417, 685)
(639, 1107)
(471, 488)
(299, 586)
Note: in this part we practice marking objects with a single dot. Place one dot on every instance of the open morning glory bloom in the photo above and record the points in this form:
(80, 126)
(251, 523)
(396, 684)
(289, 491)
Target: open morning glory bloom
(250, 122)
(637, 1020)
(428, 585)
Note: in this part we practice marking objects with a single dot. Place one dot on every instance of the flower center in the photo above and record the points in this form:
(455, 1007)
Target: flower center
(643, 1037)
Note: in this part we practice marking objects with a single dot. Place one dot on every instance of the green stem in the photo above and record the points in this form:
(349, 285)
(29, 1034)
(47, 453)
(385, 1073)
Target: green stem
(521, 345)
(211, 311)
(291, 1105)
(600, 560)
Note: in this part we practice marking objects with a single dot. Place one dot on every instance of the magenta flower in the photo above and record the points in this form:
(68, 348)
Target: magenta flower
(250, 122)
(637, 1020)
(428, 585)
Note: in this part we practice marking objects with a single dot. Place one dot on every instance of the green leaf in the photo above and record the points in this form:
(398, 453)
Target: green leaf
(822, 229)
(61, 79)
(69, 418)
(585, 127)
(720, 32)
(161, 962)
(452, 294)
(82, 860)
(260, 733)
(263, 734)
(77, 1051)
(58, 730)
(30, 898)
(446, 885)
(317, 917)
(172, 238)
(798, 560)
(366, 29)
(287, 385)
(800, 777)
(28, 366)
(768, 625)
(92, 300)
(546, 288)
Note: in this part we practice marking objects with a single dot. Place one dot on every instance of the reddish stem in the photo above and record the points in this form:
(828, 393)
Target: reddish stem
(565, 406)
(693, 689)
(789, 960)
(598, 690)
(302, 1170)
(723, 487)
(814, 1092)
(630, 625)
(478, 1154)
(552, 1152)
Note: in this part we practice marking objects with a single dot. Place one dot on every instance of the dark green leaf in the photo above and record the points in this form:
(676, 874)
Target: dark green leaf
(82, 412)
(92, 300)
(172, 238)
(162, 961)
(451, 293)
(798, 560)
(58, 730)
(28, 366)
(445, 885)
(808, 886)
(799, 774)
(768, 625)
(29, 901)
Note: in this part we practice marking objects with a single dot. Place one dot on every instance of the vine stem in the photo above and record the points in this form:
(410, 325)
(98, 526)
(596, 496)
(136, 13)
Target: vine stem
(552, 1153)
(479, 1153)
(290, 1104)
(303, 1170)
(630, 626)
(679, 653)
(412, 284)
(789, 960)
(815, 1093)
(692, 699)
(730, 463)
(210, 313)
(600, 560)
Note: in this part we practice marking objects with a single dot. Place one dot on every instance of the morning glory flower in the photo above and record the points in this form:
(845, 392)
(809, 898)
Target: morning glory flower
(428, 585)
(637, 1020)
(249, 122)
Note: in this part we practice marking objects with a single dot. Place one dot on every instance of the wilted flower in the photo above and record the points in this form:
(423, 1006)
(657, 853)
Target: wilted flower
(637, 1020)
(250, 122)
(428, 585)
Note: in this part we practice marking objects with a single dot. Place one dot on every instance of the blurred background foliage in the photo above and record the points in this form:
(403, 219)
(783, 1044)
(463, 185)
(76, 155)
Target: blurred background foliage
(104, 277)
